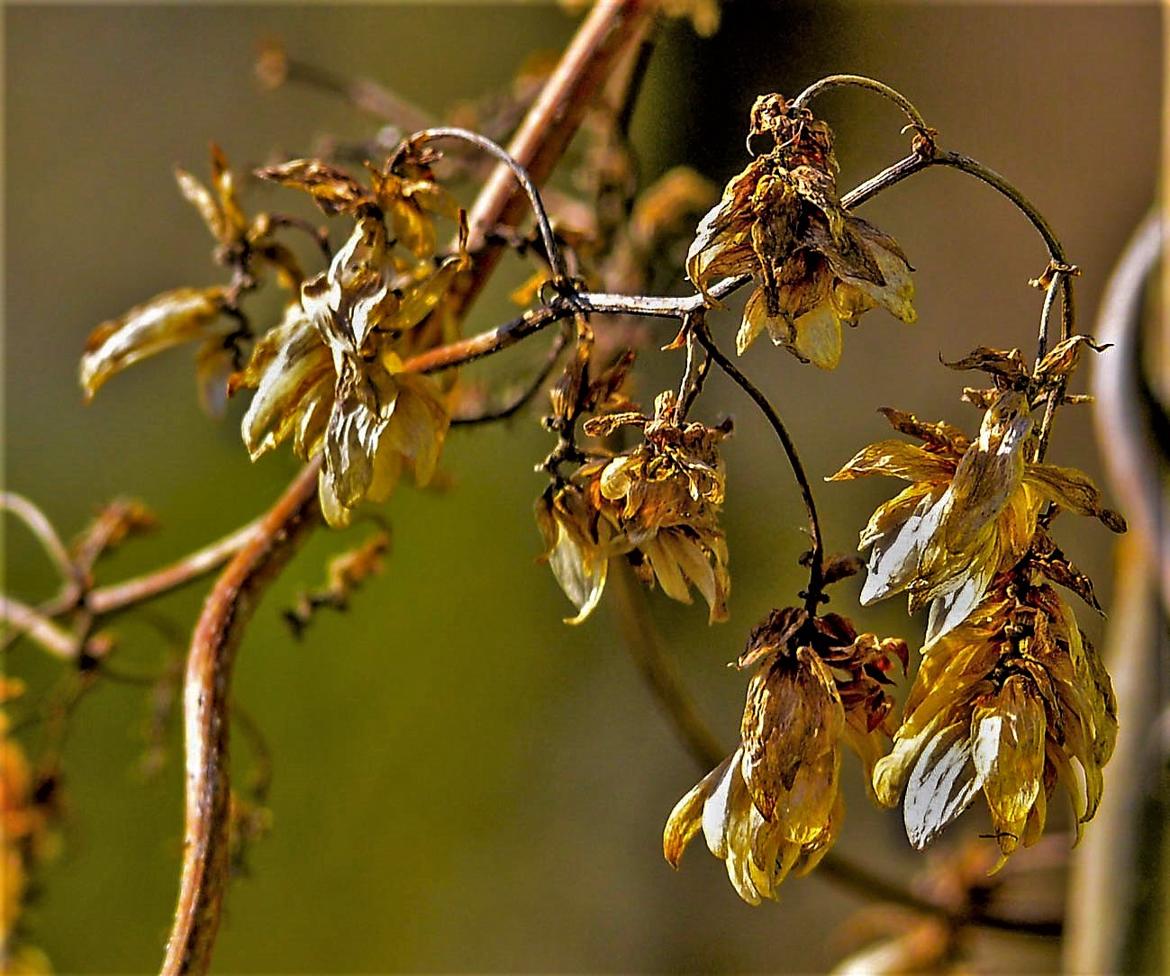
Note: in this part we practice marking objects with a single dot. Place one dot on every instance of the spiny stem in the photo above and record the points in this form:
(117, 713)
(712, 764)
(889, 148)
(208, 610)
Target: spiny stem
(816, 572)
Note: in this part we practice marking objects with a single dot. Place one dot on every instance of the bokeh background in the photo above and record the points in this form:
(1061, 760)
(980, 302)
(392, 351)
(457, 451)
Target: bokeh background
(462, 783)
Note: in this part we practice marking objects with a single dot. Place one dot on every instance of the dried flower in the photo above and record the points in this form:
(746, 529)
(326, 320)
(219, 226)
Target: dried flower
(1011, 702)
(774, 805)
(815, 265)
(657, 504)
(209, 316)
(331, 372)
(970, 511)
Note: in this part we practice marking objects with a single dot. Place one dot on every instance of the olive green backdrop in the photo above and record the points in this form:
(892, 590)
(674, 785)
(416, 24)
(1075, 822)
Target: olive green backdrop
(462, 782)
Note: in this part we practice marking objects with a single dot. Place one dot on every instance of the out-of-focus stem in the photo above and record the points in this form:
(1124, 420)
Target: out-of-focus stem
(206, 706)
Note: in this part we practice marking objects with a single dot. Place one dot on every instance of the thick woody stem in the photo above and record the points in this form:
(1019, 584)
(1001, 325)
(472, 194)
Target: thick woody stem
(206, 705)
(610, 29)
(549, 126)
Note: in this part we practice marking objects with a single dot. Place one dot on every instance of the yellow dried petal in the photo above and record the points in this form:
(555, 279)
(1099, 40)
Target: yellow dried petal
(174, 317)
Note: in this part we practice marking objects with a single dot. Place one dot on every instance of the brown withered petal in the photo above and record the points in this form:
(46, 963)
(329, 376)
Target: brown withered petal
(1062, 359)
(201, 199)
(1073, 490)
(1006, 364)
(174, 317)
(940, 437)
(333, 190)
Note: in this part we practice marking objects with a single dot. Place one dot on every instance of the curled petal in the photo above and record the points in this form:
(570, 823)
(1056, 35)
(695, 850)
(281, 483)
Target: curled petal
(169, 319)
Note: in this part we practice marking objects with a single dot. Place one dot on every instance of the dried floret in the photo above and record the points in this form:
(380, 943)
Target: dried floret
(815, 265)
(969, 513)
(1011, 702)
(775, 805)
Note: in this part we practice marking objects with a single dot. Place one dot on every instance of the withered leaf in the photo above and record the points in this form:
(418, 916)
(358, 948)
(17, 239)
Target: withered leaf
(1006, 364)
(334, 190)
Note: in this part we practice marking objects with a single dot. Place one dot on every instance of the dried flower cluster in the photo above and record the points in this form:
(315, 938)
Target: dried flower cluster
(775, 806)
(815, 265)
(657, 504)
(1010, 699)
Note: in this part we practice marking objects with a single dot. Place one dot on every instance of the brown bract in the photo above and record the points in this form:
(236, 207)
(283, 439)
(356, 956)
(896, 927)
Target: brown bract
(969, 513)
(775, 806)
(815, 265)
(1012, 702)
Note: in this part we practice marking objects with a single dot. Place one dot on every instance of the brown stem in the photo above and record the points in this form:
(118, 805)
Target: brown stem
(543, 137)
(26, 621)
(816, 570)
(117, 596)
(206, 705)
(609, 29)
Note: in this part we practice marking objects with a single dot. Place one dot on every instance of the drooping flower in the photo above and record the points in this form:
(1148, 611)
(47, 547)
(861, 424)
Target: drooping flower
(969, 513)
(775, 806)
(331, 373)
(657, 504)
(1012, 702)
(816, 266)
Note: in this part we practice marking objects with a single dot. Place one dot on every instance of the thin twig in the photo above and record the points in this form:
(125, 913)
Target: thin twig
(30, 623)
(206, 699)
(525, 396)
(552, 252)
(118, 596)
(816, 571)
(872, 84)
(608, 30)
(40, 526)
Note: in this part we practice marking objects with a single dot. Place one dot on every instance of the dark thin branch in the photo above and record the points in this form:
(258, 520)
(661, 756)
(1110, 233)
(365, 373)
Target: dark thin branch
(870, 84)
(548, 238)
(525, 396)
(816, 571)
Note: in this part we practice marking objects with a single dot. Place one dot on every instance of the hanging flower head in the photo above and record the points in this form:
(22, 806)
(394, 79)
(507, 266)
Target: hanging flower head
(969, 513)
(775, 806)
(657, 504)
(1012, 702)
(816, 266)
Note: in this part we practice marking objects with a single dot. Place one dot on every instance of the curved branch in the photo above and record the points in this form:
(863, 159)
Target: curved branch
(38, 523)
(555, 260)
(816, 570)
(206, 707)
(871, 84)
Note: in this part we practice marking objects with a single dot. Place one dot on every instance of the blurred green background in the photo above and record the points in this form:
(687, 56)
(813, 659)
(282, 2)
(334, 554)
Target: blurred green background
(462, 783)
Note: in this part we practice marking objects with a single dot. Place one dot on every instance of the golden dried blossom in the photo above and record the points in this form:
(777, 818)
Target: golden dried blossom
(331, 373)
(170, 319)
(657, 504)
(969, 513)
(208, 316)
(1012, 702)
(816, 266)
(775, 805)
(24, 837)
